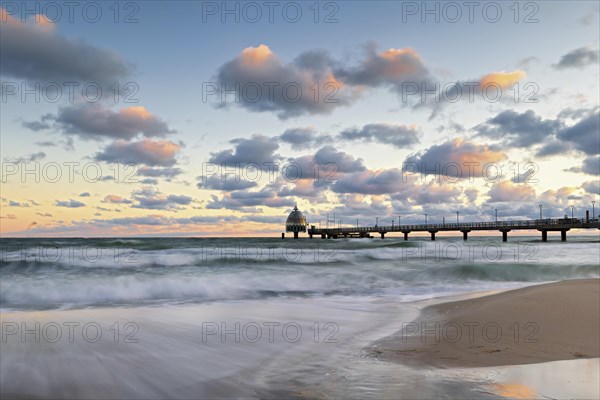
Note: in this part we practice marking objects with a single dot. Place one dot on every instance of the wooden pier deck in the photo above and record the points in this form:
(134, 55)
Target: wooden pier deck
(544, 226)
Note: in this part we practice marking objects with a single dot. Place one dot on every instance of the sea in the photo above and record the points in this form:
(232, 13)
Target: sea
(261, 317)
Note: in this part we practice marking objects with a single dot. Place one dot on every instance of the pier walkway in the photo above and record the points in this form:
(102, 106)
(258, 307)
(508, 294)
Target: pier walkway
(544, 226)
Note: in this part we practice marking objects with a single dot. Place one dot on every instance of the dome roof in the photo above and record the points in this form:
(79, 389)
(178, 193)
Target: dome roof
(296, 218)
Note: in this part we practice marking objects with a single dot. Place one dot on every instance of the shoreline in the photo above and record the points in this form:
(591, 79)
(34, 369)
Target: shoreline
(539, 323)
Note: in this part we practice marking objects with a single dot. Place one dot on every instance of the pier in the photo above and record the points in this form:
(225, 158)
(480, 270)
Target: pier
(562, 225)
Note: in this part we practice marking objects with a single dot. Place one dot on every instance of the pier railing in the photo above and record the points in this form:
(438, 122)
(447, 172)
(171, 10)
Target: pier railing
(544, 225)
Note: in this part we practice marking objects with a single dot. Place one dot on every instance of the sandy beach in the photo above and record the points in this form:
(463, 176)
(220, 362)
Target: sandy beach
(548, 322)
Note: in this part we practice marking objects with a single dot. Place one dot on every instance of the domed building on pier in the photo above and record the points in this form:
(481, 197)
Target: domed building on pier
(296, 222)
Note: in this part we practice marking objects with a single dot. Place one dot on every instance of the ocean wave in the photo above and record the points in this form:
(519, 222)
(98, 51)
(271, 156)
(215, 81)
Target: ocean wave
(217, 270)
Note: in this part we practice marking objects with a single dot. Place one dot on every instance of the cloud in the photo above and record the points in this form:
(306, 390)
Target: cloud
(303, 138)
(435, 193)
(592, 187)
(400, 136)
(585, 134)
(304, 189)
(227, 183)
(263, 83)
(591, 165)
(389, 67)
(69, 203)
(152, 199)
(561, 197)
(591, 16)
(84, 194)
(520, 130)
(257, 78)
(66, 144)
(457, 158)
(168, 173)
(552, 147)
(114, 199)
(370, 182)
(551, 136)
(258, 151)
(37, 52)
(94, 121)
(148, 152)
(323, 167)
(353, 207)
(13, 203)
(152, 220)
(506, 191)
(247, 200)
(33, 157)
(527, 62)
(503, 79)
(578, 58)
(392, 66)
(36, 126)
(149, 181)
(343, 161)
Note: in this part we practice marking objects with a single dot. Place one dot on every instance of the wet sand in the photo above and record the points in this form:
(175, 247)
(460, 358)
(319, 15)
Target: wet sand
(549, 322)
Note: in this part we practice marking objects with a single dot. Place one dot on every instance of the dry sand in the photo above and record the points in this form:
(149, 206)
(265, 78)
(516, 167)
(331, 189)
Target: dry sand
(550, 322)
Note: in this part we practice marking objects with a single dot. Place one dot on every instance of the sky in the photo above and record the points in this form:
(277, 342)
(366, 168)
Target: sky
(202, 118)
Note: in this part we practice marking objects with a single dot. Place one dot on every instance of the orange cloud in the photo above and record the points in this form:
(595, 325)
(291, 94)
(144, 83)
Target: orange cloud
(43, 22)
(467, 152)
(502, 79)
(392, 54)
(161, 148)
(39, 19)
(256, 56)
(146, 152)
(113, 198)
(508, 191)
(400, 62)
(330, 78)
(136, 112)
(5, 18)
